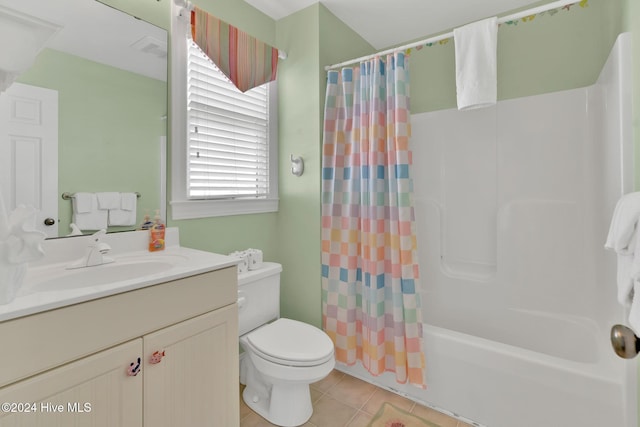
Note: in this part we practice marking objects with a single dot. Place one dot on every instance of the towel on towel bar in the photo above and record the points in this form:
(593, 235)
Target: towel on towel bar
(476, 47)
(108, 200)
(624, 240)
(83, 202)
(125, 213)
(86, 214)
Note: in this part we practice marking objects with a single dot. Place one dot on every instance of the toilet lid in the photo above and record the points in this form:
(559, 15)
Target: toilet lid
(292, 342)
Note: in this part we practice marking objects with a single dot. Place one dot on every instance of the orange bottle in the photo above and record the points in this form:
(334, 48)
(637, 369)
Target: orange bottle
(156, 235)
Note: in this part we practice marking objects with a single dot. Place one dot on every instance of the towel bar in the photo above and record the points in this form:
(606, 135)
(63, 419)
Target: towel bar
(69, 196)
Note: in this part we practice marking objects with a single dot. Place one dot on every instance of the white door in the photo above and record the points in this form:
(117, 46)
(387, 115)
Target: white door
(29, 152)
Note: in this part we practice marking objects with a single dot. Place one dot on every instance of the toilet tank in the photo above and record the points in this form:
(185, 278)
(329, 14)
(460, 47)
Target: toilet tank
(258, 297)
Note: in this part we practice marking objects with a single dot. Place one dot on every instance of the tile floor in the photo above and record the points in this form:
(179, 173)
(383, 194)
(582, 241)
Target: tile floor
(341, 400)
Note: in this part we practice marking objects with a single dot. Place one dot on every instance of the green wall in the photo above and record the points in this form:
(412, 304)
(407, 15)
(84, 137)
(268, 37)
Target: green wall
(551, 53)
(110, 124)
(311, 38)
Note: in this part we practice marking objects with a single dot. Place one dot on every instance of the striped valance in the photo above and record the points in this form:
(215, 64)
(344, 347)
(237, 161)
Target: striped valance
(245, 60)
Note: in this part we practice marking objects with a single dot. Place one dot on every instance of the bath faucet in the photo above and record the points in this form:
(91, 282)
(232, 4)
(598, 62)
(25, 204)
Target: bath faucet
(95, 253)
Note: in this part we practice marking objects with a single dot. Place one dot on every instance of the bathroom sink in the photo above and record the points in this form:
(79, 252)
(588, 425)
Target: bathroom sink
(124, 268)
(57, 280)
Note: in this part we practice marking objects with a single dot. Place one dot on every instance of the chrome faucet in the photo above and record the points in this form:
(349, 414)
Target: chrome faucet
(95, 254)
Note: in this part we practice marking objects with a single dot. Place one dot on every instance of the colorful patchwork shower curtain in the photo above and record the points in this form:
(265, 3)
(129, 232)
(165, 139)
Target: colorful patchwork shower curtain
(370, 304)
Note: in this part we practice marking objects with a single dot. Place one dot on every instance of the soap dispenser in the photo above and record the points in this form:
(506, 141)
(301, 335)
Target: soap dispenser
(156, 234)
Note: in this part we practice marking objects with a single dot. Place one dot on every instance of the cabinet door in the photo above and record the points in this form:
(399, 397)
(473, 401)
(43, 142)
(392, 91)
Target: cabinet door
(196, 382)
(94, 391)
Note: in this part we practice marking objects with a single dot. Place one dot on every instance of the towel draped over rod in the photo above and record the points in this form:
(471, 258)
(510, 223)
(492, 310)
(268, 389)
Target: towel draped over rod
(448, 35)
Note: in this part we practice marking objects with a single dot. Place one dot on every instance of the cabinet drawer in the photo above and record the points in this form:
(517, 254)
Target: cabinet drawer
(33, 344)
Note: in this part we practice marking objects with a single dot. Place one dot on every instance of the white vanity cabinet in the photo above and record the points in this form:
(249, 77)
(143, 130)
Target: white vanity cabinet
(69, 366)
(90, 391)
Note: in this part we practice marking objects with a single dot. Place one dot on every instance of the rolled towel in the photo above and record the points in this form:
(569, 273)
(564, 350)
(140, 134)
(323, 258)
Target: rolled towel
(255, 258)
(243, 265)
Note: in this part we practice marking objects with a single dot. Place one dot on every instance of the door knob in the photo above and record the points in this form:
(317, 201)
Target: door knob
(49, 221)
(624, 341)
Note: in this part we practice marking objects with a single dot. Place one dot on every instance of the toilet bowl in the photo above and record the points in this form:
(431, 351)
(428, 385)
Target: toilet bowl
(282, 356)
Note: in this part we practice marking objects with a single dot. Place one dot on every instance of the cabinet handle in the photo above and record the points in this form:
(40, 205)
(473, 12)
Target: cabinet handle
(156, 357)
(134, 368)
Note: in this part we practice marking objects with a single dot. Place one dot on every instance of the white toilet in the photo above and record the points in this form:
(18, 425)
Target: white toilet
(281, 356)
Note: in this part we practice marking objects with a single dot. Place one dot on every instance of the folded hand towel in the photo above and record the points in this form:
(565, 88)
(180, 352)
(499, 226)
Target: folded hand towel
(476, 63)
(108, 200)
(94, 219)
(83, 202)
(128, 201)
(125, 213)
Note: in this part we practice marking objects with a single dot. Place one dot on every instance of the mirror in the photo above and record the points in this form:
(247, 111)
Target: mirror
(110, 72)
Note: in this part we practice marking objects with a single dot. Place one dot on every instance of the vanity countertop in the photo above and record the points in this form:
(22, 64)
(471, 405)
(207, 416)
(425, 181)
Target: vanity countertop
(174, 262)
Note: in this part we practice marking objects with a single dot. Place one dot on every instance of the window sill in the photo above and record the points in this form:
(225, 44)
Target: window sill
(191, 209)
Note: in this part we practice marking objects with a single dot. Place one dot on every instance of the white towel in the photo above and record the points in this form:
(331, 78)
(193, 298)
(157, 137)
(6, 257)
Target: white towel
(86, 214)
(243, 265)
(128, 201)
(255, 258)
(108, 200)
(125, 213)
(476, 47)
(83, 202)
(624, 240)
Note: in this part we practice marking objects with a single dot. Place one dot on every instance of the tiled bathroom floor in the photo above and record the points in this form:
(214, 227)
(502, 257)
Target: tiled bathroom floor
(341, 400)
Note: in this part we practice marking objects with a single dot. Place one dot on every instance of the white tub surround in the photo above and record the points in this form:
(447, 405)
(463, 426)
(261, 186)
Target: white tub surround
(513, 205)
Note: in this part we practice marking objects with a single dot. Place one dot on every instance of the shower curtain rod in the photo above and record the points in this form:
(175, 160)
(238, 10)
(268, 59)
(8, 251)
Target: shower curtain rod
(513, 17)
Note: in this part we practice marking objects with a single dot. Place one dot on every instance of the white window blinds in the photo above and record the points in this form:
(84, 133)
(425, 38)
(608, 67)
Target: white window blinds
(228, 148)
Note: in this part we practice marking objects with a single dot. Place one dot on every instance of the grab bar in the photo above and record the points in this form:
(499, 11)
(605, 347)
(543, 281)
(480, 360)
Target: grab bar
(625, 342)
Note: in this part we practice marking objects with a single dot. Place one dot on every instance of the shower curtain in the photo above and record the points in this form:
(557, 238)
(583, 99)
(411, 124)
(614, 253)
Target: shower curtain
(370, 307)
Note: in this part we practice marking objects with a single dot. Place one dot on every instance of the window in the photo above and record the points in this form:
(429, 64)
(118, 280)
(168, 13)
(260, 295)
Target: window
(228, 134)
(224, 142)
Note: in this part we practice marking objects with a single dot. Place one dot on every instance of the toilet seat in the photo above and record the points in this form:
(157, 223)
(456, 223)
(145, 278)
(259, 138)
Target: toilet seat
(292, 343)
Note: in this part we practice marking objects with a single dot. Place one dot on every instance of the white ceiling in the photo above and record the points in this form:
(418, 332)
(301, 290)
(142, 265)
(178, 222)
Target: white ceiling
(100, 33)
(385, 23)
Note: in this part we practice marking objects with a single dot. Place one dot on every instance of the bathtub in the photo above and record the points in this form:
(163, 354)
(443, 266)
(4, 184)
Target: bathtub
(513, 205)
(498, 384)
(489, 383)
